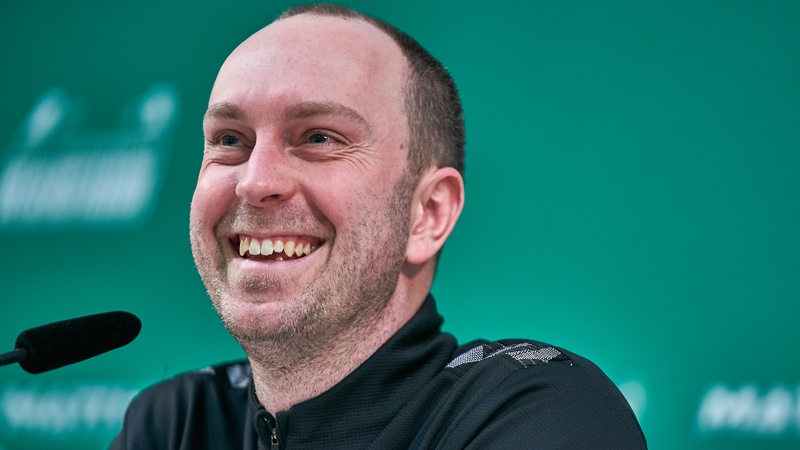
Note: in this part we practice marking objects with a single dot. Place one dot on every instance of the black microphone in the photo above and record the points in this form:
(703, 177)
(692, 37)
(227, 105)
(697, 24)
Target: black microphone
(58, 344)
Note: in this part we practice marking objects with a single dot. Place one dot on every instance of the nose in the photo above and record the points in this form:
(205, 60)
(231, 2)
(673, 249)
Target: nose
(266, 177)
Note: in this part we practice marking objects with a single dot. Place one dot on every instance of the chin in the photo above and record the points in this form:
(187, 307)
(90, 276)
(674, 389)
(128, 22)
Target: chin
(259, 321)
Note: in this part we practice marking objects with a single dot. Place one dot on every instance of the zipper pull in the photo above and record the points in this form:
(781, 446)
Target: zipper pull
(274, 443)
(268, 429)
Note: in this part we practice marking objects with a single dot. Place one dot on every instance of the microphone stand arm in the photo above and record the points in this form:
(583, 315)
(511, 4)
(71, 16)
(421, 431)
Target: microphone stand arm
(13, 356)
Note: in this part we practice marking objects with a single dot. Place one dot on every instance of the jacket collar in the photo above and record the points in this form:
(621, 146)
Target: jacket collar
(354, 411)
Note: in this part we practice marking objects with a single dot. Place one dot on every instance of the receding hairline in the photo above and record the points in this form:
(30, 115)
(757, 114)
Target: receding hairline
(348, 15)
(355, 17)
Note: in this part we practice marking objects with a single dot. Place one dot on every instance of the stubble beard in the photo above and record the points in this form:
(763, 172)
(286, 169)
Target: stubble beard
(344, 299)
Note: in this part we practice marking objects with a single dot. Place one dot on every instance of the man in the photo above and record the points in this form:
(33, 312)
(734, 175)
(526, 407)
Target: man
(330, 181)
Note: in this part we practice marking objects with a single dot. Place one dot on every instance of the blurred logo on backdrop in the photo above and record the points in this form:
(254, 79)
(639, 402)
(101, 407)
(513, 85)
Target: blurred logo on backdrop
(750, 410)
(59, 173)
(50, 414)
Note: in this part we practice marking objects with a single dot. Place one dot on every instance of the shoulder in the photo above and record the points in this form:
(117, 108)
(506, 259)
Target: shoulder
(166, 411)
(183, 388)
(525, 359)
(521, 352)
(522, 390)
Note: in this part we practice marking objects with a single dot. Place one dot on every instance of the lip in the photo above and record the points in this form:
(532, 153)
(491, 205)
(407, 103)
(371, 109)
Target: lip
(292, 272)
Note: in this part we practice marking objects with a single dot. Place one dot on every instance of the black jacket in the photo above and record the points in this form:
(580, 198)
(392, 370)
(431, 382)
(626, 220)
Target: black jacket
(418, 391)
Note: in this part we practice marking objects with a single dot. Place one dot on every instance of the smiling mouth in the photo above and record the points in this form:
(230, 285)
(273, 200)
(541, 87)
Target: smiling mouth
(275, 249)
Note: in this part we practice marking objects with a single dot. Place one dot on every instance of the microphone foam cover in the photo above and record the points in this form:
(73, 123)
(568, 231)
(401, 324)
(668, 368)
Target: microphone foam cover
(61, 343)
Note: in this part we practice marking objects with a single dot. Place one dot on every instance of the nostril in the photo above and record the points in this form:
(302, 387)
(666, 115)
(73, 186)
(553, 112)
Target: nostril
(265, 178)
(254, 195)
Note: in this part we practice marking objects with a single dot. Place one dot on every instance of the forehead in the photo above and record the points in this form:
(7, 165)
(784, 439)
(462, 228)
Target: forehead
(319, 59)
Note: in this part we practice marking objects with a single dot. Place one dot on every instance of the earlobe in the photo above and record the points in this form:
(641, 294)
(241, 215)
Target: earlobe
(437, 204)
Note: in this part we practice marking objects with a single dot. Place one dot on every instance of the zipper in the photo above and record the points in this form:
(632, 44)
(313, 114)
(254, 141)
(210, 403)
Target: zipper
(268, 427)
(273, 439)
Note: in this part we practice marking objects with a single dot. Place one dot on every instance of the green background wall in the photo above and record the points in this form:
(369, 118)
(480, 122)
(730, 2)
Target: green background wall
(632, 194)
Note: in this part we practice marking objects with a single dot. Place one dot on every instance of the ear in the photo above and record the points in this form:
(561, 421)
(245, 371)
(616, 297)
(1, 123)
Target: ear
(437, 203)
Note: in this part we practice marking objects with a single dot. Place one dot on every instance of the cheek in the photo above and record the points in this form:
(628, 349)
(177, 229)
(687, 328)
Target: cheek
(211, 197)
(342, 197)
(361, 206)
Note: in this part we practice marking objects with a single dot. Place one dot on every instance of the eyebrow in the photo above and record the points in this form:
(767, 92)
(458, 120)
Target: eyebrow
(223, 111)
(305, 110)
(302, 110)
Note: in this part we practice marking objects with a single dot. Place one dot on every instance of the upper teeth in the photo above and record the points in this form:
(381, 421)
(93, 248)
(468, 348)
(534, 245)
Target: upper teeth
(266, 247)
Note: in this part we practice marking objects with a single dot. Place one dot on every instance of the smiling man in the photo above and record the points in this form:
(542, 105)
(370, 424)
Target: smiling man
(331, 178)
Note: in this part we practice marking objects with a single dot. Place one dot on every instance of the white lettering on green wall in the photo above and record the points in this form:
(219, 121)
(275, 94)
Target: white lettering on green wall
(59, 174)
(53, 410)
(774, 411)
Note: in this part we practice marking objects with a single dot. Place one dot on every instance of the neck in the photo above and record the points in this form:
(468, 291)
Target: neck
(289, 372)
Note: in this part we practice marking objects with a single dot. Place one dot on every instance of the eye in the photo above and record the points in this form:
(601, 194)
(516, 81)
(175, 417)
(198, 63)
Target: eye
(318, 138)
(315, 143)
(228, 140)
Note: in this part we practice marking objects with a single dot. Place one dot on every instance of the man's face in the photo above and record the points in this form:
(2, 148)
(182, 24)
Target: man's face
(305, 150)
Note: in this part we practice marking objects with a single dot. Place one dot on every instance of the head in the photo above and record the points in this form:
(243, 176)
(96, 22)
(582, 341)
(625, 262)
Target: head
(322, 199)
